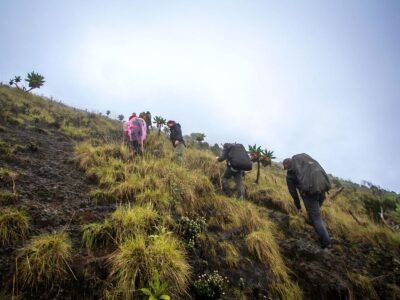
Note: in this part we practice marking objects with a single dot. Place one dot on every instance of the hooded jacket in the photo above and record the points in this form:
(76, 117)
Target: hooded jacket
(176, 134)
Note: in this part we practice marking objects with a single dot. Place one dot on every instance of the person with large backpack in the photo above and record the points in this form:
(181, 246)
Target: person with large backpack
(177, 140)
(237, 161)
(306, 175)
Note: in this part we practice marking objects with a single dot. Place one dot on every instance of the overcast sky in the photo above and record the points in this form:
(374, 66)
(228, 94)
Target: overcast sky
(320, 77)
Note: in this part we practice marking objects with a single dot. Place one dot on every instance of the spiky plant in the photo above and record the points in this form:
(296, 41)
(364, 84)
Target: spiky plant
(267, 157)
(121, 117)
(255, 155)
(14, 226)
(160, 122)
(35, 80)
(45, 260)
(108, 113)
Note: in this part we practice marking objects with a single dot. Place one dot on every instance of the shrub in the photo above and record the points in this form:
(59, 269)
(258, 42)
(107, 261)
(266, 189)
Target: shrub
(45, 260)
(189, 230)
(14, 225)
(210, 286)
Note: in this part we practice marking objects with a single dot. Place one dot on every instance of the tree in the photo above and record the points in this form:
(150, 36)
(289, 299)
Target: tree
(108, 113)
(199, 137)
(260, 156)
(35, 80)
(160, 122)
(121, 117)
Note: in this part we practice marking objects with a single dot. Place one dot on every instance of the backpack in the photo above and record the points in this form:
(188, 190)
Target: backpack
(138, 129)
(311, 177)
(238, 158)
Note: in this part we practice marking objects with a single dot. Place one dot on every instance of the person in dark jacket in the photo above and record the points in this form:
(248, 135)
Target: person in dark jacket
(312, 202)
(148, 121)
(231, 172)
(176, 139)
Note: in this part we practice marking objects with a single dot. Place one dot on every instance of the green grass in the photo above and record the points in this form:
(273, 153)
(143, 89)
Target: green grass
(14, 225)
(137, 259)
(45, 260)
(97, 235)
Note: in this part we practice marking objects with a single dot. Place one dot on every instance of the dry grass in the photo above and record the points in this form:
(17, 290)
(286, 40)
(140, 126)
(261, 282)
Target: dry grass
(14, 226)
(230, 253)
(130, 220)
(97, 235)
(137, 259)
(262, 245)
(364, 284)
(45, 260)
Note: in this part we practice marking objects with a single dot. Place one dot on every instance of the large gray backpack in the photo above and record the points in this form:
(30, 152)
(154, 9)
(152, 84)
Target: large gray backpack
(311, 177)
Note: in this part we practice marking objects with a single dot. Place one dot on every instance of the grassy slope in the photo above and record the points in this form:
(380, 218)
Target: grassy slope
(247, 241)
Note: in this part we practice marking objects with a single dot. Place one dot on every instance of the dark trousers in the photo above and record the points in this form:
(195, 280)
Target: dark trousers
(312, 204)
(137, 147)
(237, 175)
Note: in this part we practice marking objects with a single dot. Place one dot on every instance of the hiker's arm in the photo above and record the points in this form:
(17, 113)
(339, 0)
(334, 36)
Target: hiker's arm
(291, 183)
(224, 155)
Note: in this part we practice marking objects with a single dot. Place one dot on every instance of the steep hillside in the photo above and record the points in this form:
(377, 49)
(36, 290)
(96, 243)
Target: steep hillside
(82, 218)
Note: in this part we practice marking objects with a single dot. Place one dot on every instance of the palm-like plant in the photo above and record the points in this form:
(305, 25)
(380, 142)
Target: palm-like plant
(108, 113)
(160, 122)
(260, 156)
(121, 117)
(35, 80)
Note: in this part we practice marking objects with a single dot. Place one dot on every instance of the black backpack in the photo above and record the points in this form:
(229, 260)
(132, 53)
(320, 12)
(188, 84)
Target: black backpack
(311, 176)
(238, 158)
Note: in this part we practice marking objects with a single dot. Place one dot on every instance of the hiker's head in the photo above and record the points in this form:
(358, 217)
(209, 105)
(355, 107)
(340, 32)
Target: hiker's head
(287, 163)
(171, 123)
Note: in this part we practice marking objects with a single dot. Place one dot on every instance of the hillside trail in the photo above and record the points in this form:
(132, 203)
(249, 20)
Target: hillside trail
(51, 189)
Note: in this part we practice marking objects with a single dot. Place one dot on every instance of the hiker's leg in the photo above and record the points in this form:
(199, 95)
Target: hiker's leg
(136, 146)
(178, 153)
(239, 184)
(225, 181)
(321, 199)
(312, 205)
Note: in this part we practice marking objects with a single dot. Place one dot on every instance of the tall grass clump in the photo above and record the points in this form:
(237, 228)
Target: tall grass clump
(262, 245)
(45, 260)
(14, 226)
(132, 220)
(137, 259)
(97, 235)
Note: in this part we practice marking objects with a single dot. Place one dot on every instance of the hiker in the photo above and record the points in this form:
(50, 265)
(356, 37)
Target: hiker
(137, 134)
(237, 161)
(148, 121)
(133, 115)
(176, 139)
(305, 174)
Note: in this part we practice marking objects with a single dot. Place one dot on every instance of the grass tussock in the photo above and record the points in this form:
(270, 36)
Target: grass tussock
(45, 260)
(132, 220)
(364, 285)
(230, 254)
(138, 258)
(262, 245)
(14, 226)
(97, 235)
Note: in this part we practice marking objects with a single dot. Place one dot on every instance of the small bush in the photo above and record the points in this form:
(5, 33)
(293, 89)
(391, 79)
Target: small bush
(45, 260)
(210, 286)
(14, 226)
(189, 230)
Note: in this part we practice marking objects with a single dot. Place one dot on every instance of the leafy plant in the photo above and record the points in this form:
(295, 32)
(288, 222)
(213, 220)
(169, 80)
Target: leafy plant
(189, 229)
(157, 289)
(199, 137)
(260, 156)
(210, 286)
(160, 122)
(34, 80)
